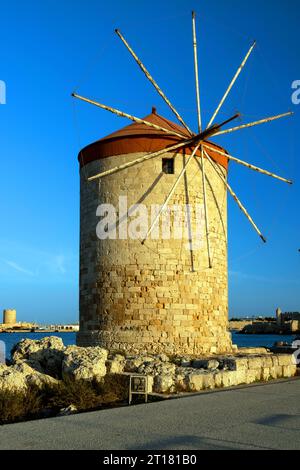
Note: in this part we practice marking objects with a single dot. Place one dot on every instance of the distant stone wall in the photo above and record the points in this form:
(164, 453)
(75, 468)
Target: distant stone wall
(239, 325)
(264, 328)
(161, 296)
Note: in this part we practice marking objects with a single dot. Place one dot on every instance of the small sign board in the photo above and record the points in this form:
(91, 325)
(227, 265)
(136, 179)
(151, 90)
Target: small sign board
(138, 385)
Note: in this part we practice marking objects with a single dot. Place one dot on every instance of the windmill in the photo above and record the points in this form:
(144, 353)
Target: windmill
(111, 312)
(197, 140)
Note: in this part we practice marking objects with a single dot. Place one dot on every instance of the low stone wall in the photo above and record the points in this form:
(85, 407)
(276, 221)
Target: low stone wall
(242, 370)
(185, 374)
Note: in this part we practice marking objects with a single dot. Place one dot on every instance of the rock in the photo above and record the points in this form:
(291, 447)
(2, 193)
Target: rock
(84, 363)
(182, 361)
(70, 410)
(207, 364)
(12, 379)
(180, 383)
(164, 383)
(133, 363)
(45, 355)
(148, 359)
(253, 350)
(157, 368)
(163, 358)
(116, 364)
(195, 381)
(34, 377)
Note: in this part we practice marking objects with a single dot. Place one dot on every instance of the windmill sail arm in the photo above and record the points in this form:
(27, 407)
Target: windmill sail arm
(255, 123)
(128, 116)
(248, 165)
(142, 159)
(205, 207)
(184, 143)
(241, 206)
(151, 79)
(231, 84)
(196, 72)
(183, 171)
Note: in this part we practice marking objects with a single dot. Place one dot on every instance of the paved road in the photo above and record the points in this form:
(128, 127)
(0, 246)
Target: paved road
(257, 417)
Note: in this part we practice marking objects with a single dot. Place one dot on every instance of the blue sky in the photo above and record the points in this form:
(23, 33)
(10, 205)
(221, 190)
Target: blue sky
(50, 48)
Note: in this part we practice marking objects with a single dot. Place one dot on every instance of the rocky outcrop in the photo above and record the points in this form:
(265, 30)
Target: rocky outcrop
(11, 379)
(21, 375)
(44, 355)
(45, 362)
(115, 364)
(84, 363)
(33, 376)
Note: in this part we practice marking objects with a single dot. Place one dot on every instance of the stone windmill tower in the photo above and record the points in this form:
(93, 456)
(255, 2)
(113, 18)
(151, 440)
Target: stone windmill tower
(153, 232)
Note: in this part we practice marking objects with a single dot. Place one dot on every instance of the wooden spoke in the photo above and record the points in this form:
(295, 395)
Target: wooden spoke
(128, 116)
(196, 72)
(248, 165)
(205, 207)
(256, 123)
(151, 79)
(231, 84)
(184, 143)
(243, 209)
(171, 192)
(142, 159)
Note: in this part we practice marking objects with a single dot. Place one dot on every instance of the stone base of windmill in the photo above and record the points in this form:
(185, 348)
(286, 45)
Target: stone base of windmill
(49, 361)
(187, 374)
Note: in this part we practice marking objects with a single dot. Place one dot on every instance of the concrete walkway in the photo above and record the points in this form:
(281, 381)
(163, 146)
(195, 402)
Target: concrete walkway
(256, 417)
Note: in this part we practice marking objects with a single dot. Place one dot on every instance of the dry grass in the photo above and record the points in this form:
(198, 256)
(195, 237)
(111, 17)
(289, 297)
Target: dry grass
(18, 406)
(22, 406)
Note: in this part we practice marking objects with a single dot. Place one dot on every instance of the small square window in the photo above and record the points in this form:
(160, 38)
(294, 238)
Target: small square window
(168, 166)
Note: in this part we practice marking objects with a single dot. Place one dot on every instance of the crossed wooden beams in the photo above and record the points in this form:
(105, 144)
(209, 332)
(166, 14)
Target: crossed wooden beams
(195, 140)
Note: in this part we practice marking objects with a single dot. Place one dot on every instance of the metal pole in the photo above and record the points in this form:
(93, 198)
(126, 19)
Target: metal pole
(243, 209)
(256, 123)
(248, 165)
(151, 79)
(171, 192)
(205, 208)
(231, 84)
(128, 116)
(196, 72)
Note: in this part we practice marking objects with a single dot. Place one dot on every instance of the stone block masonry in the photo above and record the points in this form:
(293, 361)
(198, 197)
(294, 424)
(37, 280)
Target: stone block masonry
(160, 296)
(241, 371)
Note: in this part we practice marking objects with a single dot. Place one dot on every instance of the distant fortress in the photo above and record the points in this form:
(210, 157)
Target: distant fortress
(10, 324)
(285, 323)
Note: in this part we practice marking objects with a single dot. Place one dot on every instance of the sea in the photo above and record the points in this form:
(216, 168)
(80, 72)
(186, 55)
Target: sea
(243, 341)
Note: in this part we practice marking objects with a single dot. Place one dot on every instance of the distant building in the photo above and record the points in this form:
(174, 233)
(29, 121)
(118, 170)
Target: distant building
(9, 317)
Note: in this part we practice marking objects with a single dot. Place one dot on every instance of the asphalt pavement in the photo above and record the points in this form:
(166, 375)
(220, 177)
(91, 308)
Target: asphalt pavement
(255, 417)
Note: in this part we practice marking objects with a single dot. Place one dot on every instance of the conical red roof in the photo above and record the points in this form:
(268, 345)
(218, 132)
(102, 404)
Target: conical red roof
(141, 138)
(141, 129)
